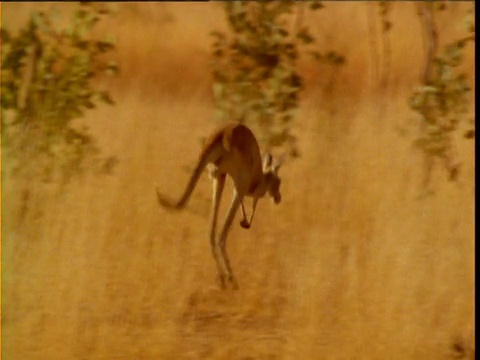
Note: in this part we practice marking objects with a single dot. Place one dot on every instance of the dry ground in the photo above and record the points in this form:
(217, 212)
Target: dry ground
(352, 265)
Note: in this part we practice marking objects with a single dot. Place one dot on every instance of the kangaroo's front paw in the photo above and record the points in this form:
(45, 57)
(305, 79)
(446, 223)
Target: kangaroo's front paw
(244, 224)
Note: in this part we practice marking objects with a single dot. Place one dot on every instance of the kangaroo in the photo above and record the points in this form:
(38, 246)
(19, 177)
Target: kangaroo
(232, 149)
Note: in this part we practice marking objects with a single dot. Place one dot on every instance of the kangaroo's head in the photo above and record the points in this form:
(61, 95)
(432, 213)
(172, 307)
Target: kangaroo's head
(270, 175)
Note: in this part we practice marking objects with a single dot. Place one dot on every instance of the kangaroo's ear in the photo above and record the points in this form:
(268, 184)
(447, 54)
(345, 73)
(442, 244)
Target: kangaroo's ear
(267, 161)
(278, 162)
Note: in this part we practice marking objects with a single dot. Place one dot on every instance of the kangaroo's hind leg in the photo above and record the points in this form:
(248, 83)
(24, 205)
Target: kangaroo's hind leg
(220, 250)
(218, 186)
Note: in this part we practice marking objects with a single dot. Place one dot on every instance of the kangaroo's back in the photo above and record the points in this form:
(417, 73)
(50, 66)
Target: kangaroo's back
(240, 148)
(233, 135)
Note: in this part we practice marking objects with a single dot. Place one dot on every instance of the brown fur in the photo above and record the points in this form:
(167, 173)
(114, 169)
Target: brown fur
(232, 149)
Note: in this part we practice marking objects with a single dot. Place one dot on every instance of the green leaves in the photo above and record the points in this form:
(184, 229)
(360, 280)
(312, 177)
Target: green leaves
(106, 98)
(47, 81)
(443, 103)
(315, 5)
(330, 57)
(304, 36)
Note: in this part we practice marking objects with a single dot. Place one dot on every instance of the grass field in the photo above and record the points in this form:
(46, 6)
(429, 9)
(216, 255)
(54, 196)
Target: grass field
(353, 264)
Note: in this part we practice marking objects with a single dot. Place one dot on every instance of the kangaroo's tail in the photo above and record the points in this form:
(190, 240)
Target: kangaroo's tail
(192, 182)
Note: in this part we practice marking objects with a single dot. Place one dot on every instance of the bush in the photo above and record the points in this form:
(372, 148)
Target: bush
(255, 67)
(442, 100)
(48, 81)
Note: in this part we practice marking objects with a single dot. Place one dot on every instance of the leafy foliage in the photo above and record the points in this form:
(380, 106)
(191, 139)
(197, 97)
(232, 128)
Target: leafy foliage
(48, 81)
(255, 67)
(442, 103)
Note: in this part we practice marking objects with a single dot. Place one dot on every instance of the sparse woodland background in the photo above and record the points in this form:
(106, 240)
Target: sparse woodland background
(369, 256)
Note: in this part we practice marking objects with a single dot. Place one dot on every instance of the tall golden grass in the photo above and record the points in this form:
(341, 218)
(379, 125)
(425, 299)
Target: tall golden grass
(353, 264)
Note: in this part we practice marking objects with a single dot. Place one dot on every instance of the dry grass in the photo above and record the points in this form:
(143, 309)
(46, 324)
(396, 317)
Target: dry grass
(352, 264)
